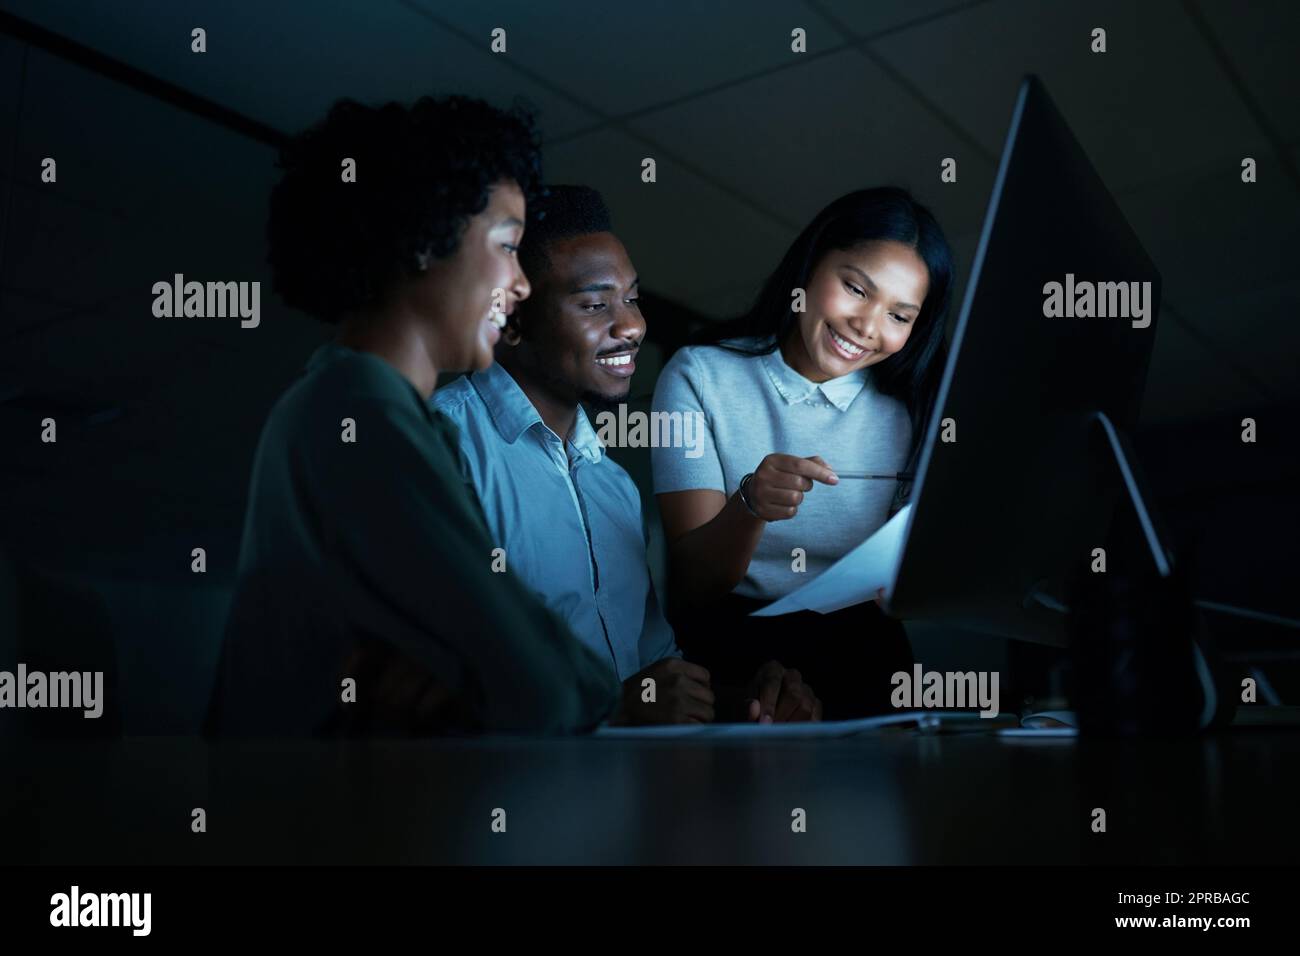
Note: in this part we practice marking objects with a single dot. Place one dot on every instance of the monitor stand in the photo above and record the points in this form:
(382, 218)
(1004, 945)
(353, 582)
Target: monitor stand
(1134, 632)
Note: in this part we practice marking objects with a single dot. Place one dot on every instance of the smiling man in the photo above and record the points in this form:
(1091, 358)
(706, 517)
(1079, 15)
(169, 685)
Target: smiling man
(566, 515)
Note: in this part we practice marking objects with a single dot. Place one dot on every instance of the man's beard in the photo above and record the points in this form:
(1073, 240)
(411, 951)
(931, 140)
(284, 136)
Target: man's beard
(603, 403)
(563, 389)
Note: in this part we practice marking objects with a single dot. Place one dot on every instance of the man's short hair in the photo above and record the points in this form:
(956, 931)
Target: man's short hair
(561, 212)
(421, 172)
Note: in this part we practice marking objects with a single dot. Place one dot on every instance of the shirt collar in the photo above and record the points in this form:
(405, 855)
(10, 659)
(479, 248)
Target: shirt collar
(513, 414)
(585, 439)
(794, 388)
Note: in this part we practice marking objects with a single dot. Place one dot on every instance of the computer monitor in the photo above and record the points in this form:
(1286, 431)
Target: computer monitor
(1017, 482)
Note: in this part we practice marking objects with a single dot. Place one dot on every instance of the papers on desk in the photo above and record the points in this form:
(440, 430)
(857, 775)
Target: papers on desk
(1045, 723)
(852, 579)
(1048, 719)
(925, 721)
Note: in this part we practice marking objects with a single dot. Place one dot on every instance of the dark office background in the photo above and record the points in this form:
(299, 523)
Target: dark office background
(165, 159)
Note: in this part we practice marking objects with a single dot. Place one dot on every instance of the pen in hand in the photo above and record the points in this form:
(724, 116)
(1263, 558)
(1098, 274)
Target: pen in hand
(901, 476)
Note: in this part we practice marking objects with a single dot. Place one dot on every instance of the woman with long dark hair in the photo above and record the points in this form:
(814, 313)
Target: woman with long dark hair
(836, 366)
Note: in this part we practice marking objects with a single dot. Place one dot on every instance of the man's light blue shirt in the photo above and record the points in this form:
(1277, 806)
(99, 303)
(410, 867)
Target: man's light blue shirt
(566, 515)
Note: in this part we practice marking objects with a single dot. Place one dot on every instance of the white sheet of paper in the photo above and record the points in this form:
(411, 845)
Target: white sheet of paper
(852, 579)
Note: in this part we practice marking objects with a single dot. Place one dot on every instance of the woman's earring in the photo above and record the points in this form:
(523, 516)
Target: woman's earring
(422, 261)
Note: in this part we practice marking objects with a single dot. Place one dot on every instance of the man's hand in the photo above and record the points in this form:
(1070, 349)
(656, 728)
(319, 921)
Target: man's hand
(781, 695)
(681, 695)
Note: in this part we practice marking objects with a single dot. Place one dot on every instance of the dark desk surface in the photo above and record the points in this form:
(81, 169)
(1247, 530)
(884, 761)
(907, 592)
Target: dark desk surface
(1228, 798)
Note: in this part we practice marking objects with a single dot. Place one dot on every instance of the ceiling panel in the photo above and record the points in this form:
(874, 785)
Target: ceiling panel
(1263, 54)
(1154, 104)
(284, 63)
(625, 57)
(866, 19)
(798, 139)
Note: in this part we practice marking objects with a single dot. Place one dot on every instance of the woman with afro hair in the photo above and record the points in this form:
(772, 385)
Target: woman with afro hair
(370, 597)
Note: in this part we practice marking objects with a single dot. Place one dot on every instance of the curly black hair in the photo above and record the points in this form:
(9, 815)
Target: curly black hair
(421, 171)
(561, 211)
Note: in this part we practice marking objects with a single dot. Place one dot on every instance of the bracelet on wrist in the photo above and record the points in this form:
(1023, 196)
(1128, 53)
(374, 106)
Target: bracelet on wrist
(744, 498)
